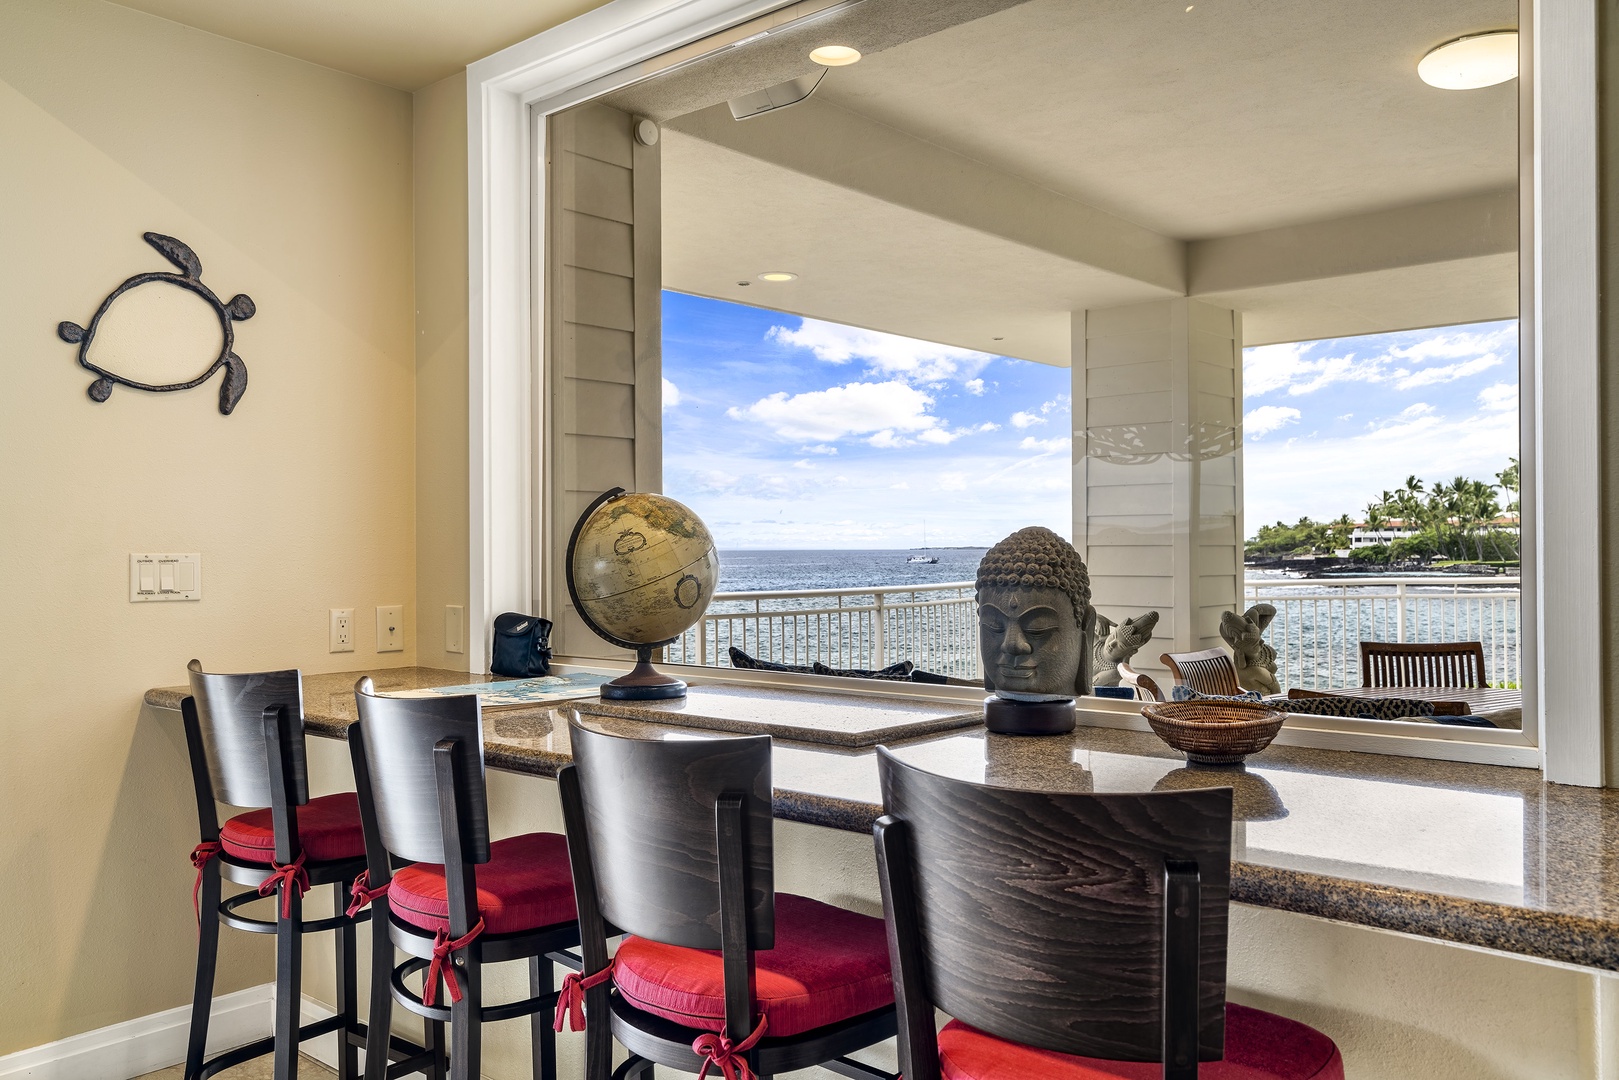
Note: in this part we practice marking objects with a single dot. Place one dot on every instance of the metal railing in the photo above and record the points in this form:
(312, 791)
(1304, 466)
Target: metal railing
(1320, 623)
(1317, 631)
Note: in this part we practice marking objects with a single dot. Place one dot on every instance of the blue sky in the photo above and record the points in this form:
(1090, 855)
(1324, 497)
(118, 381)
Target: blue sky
(785, 432)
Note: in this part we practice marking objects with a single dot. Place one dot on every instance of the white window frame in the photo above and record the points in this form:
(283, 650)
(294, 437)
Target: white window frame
(510, 93)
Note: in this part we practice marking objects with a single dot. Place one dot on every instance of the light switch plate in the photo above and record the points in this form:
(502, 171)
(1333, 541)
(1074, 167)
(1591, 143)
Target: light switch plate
(391, 628)
(454, 620)
(164, 575)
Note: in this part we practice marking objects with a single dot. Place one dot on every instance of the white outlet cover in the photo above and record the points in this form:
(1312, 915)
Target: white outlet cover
(342, 630)
(454, 621)
(156, 576)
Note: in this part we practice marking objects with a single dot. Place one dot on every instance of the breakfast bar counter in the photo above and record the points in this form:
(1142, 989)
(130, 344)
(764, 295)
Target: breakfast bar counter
(1479, 855)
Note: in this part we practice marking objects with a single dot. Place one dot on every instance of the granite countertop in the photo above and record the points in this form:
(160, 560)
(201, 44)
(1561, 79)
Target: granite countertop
(1477, 854)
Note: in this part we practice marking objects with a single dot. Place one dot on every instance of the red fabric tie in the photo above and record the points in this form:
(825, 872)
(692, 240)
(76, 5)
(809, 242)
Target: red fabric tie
(731, 1059)
(571, 999)
(201, 855)
(442, 948)
(362, 894)
(286, 878)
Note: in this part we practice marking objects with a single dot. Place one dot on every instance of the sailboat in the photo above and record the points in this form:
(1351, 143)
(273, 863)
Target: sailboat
(926, 556)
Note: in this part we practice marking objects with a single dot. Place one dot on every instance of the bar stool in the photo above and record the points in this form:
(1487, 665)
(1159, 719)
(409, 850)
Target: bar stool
(245, 736)
(671, 842)
(451, 899)
(1070, 937)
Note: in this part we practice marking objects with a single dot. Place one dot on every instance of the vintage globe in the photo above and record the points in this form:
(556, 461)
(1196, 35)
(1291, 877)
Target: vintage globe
(641, 568)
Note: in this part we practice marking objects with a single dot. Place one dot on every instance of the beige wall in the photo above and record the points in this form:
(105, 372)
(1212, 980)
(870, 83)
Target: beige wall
(440, 154)
(293, 184)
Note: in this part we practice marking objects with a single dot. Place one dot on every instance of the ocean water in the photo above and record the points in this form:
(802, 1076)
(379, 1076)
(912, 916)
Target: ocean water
(758, 571)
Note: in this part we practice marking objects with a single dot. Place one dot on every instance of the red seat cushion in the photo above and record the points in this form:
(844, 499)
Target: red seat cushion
(1258, 1046)
(526, 884)
(328, 829)
(828, 965)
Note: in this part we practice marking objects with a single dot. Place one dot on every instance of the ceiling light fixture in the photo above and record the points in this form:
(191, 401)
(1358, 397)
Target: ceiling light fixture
(777, 275)
(1472, 62)
(835, 55)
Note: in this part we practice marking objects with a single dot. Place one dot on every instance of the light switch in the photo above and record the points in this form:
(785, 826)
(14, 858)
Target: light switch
(160, 575)
(391, 628)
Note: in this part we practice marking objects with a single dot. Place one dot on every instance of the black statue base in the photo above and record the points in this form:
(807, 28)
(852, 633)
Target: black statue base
(643, 683)
(1003, 716)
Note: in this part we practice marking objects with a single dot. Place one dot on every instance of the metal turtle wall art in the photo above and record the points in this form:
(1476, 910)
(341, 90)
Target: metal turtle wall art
(239, 307)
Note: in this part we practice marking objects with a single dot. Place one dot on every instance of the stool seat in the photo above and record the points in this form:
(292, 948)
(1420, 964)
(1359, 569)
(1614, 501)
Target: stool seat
(1258, 1046)
(525, 885)
(828, 965)
(328, 828)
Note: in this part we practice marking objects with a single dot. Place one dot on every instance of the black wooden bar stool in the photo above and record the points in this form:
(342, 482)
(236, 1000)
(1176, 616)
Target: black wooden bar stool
(1071, 937)
(245, 735)
(450, 898)
(672, 842)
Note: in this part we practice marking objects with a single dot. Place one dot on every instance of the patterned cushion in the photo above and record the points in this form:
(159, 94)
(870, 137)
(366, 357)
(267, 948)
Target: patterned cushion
(1361, 708)
(901, 670)
(740, 659)
(1186, 693)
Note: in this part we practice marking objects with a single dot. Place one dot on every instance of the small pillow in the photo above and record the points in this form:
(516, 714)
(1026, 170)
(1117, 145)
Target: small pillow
(919, 675)
(1360, 708)
(901, 670)
(1127, 692)
(1186, 693)
(740, 659)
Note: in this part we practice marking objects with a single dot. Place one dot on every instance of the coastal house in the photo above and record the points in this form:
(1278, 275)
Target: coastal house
(397, 324)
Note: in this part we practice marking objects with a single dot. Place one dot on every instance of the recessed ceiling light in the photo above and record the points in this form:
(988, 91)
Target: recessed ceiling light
(835, 55)
(1471, 62)
(777, 275)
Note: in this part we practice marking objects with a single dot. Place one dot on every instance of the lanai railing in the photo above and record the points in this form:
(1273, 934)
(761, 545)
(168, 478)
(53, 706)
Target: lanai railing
(1316, 634)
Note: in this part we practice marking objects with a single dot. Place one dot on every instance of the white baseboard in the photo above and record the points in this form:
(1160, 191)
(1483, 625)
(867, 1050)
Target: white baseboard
(144, 1044)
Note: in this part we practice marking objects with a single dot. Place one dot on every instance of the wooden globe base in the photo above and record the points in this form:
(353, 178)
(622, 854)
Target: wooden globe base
(643, 683)
(1005, 717)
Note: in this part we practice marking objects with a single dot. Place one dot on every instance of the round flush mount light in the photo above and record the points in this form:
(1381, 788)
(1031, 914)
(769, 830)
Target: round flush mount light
(777, 275)
(835, 55)
(1471, 62)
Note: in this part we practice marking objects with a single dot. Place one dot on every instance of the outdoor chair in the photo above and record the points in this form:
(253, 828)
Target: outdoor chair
(1145, 686)
(1208, 672)
(1448, 663)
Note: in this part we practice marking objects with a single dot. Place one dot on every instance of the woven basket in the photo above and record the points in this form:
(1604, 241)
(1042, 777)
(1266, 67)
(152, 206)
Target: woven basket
(1215, 732)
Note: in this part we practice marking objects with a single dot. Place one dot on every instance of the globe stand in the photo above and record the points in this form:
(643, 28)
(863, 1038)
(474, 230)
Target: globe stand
(644, 682)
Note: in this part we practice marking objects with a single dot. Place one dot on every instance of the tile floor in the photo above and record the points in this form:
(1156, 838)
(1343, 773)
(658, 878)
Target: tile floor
(308, 1069)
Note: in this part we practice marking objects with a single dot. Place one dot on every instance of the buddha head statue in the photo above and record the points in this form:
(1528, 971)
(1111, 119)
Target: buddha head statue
(1033, 607)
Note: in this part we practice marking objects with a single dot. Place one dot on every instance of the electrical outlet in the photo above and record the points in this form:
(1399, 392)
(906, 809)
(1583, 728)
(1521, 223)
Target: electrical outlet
(342, 629)
(391, 628)
(454, 620)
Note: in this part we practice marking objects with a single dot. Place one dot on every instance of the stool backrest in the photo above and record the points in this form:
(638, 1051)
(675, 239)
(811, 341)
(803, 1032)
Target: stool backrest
(650, 811)
(1208, 672)
(230, 719)
(1085, 924)
(400, 737)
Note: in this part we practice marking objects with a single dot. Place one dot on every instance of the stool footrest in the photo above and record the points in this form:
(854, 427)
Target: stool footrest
(266, 1045)
(228, 915)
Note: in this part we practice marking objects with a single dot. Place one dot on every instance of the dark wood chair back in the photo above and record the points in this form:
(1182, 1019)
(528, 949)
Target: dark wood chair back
(1084, 924)
(1447, 663)
(1145, 686)
(230, 720)
(401, 737)
(654, 822)
(1208, 672)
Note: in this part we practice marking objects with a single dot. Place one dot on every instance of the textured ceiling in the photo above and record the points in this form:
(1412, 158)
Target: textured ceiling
(403, 43)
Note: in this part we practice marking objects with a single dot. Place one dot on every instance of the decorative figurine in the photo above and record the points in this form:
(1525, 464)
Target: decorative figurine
(1112, 645)
(1033, 616)
(236, 309)
(1254, 660)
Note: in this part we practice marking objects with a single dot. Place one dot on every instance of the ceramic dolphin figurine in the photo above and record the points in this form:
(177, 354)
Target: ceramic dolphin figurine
(239, 307)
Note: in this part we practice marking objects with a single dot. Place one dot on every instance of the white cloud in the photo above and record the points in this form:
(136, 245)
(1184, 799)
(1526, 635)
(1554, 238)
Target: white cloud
(887, 440)
(901, 486)
(1023, 420)
(1410, 380)
(671, 394)
(1257, 423)
(818, 449)
(802, 464)
(1451, 345)
(952, 481)
(974, 387)
(1500, 397)
(1044, 446)
(885, 408)
(887, 354)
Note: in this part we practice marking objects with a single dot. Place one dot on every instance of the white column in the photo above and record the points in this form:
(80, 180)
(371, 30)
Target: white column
(1157, 393)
